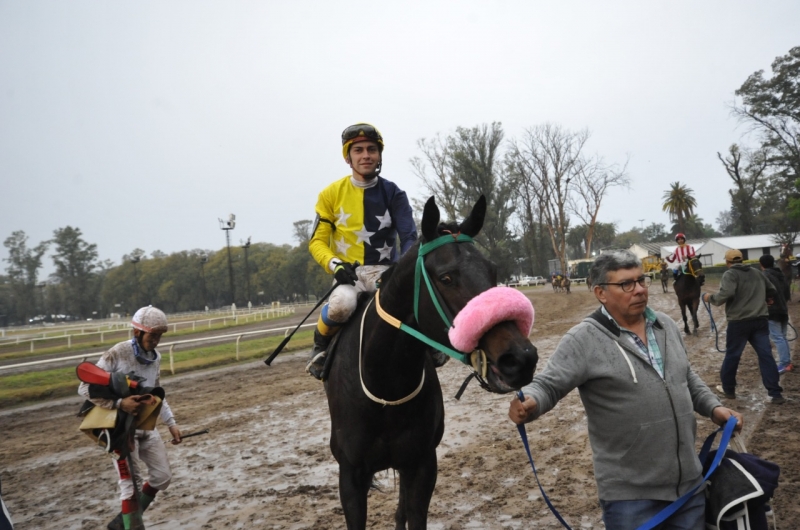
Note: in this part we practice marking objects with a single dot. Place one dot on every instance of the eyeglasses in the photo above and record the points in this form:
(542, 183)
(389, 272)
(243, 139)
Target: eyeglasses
(361, 129)
(628, 285)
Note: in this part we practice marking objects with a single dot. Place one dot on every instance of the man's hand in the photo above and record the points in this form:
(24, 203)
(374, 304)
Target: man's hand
(520, 411)
(176, 435)
(134, 404)
(345, 274)
(720, 416)
(706, 296)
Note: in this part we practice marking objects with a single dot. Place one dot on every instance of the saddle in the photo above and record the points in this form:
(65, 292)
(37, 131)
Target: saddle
(112, 429)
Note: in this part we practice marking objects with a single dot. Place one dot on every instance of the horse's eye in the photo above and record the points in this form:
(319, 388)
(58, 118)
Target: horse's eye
(446, 279)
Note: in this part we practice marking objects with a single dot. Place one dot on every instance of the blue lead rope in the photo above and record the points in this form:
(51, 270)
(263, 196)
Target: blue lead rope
(524, 436)
(713, 324)
(664, 514)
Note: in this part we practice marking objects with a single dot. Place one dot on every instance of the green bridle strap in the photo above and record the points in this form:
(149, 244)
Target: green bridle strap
(464, 358)
(420, 271)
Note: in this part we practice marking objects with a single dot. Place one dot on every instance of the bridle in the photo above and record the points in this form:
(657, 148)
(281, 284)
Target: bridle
(476, 359)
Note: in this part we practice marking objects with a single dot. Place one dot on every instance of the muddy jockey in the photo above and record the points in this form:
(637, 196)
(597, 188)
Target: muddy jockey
(682, 254)
(121, 413)
(358, 218)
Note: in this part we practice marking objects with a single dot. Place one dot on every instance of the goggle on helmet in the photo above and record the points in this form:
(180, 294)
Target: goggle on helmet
(359, 133)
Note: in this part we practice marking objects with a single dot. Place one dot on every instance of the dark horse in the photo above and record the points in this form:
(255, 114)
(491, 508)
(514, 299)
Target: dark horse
(665, 274)
(687, 288)
(383, 392)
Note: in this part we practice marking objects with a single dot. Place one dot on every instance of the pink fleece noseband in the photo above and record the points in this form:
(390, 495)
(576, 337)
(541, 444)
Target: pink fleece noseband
(486, 310)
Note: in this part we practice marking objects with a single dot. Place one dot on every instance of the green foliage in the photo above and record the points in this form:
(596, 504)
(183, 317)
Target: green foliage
(679, 203)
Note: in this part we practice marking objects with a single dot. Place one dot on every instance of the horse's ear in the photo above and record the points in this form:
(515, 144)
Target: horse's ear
(430, 220)
(473, 224)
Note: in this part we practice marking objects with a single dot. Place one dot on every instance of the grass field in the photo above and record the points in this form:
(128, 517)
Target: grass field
(21, 389)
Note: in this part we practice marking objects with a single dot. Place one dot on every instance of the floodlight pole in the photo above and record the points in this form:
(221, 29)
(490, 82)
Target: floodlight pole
(227, 226)
(203, 261)
(246, 247)
(135, 260)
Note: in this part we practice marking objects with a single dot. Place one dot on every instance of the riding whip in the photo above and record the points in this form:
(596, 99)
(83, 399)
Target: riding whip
(196, 433)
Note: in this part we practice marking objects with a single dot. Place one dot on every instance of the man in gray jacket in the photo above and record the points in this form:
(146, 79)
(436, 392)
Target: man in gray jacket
(746, 293)
(632, 371)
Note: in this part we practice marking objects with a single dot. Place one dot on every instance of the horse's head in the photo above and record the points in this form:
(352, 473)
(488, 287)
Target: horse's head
(463, 290)
(695, 268)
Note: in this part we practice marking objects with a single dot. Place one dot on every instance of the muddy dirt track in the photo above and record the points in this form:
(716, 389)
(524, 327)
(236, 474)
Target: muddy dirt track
(266, 462)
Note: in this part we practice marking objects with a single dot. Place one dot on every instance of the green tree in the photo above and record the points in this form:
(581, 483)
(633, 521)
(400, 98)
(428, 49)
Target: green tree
(23, 269)
(655, 232)
(679, 203)
(75, 261)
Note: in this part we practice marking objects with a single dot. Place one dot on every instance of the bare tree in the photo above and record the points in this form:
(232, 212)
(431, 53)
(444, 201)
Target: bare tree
(546, 164)
(591, 184)
(747, 170)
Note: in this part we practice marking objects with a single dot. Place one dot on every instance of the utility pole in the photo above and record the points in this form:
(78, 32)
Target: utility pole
(135, 259)
(246, 247)
(203, 261)
(227, 226)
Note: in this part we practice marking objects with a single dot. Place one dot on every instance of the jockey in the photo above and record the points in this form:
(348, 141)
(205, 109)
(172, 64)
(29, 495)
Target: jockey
(139, 357)
(682, 254)
(359, 217)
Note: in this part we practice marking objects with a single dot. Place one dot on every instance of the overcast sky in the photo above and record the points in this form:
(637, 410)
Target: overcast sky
(142, 123)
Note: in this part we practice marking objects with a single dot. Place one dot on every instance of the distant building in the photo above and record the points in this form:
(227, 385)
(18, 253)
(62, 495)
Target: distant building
(712, 250)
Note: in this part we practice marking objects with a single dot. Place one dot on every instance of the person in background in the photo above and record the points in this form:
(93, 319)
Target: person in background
(778, 312)
(640, 394)
(746, 292)
(682, 254)
(359, 217)
(139, 357)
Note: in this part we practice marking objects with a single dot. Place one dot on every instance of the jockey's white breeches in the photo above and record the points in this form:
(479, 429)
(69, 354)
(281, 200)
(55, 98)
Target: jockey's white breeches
(151, 452)
(343, 300)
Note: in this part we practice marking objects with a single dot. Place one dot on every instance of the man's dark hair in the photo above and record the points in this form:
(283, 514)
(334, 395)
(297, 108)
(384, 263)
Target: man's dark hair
(612, 261)
(767, 261)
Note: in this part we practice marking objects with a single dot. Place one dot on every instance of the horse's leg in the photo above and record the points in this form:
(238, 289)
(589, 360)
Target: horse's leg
(416, 490)
(694, 306)
(685, 322)
(354, 485)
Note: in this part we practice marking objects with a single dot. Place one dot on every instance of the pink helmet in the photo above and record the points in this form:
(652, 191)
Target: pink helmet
(150, 320)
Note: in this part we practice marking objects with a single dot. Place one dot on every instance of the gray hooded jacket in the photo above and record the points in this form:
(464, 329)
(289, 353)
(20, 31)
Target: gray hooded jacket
(641, 427)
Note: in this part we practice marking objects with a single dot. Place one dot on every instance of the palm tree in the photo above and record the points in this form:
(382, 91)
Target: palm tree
(679, 204)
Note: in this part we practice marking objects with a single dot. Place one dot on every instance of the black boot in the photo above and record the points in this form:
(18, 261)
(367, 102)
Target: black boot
(317, 359)
(116, 523)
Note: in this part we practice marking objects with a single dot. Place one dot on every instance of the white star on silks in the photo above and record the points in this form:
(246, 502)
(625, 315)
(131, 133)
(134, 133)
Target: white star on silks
(341, 217)
(385, 219)
(342, 246)
(386, 251)
(363, 235)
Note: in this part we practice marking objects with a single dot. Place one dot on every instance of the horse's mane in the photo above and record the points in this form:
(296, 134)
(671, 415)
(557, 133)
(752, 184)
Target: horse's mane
(442, 229)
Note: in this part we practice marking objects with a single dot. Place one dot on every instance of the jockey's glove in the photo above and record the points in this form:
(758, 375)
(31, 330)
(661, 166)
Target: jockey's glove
(345, 274)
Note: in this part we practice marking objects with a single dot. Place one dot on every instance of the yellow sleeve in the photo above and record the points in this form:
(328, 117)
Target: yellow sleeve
(321, 238)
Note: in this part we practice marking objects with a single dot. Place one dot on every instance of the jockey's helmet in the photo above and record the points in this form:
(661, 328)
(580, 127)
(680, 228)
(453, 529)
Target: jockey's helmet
(358, 133)
(680, 235)
(150, 320)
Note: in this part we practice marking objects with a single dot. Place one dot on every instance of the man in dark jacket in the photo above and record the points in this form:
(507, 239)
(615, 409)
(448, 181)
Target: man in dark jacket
(745, 292)
(778, 312)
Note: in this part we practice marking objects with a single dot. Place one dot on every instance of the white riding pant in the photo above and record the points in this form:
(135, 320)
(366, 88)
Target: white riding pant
(150, 451)
(343, 300)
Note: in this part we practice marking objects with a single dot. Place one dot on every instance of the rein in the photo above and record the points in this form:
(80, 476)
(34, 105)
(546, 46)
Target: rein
(707, 305)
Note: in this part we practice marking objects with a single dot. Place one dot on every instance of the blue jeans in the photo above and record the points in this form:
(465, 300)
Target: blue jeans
(629, 515)
(756, 332)
(777, 332)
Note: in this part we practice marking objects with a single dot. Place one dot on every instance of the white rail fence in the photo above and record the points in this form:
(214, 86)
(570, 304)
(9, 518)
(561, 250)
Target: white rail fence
(171, 345)
(239, 317)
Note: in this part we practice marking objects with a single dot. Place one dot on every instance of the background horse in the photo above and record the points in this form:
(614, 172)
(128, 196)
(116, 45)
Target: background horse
(382, 415)
(665, 274)
(687, 289)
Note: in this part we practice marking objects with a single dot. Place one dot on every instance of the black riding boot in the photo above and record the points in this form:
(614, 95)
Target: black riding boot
(317, 359)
